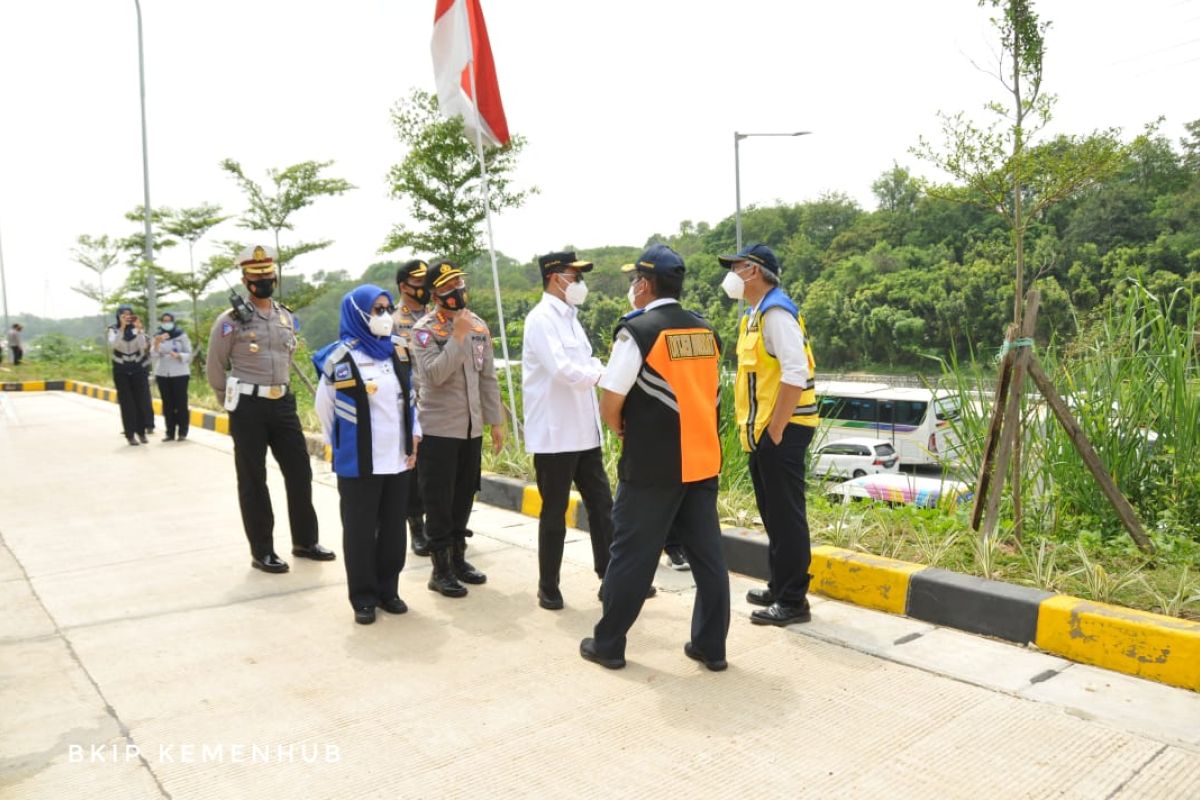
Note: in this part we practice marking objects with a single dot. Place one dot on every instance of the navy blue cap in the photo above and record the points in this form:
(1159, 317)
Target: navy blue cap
(756, 254)
(658, 259)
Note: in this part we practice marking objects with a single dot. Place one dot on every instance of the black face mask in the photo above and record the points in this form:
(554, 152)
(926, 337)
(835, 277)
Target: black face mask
(418, 293)
(454, 300)
(262, 288)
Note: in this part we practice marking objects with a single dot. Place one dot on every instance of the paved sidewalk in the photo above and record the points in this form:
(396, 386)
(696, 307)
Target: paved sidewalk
(133, 620)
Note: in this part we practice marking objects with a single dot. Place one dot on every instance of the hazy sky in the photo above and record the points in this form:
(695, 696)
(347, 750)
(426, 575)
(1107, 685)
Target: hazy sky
(629, 107)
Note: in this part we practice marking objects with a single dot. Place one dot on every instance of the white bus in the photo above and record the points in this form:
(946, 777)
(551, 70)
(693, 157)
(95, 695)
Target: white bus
(915, 421)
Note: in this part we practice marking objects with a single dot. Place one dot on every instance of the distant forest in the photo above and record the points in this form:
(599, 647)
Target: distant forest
(919, 277)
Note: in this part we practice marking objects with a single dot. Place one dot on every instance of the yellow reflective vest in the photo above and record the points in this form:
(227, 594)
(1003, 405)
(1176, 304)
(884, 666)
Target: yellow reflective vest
(758, 374)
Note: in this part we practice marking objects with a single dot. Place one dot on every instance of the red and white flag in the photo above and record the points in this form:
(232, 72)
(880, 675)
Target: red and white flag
(460, 42)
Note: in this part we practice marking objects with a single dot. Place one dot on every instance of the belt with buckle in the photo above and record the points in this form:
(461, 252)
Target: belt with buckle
(269, 391)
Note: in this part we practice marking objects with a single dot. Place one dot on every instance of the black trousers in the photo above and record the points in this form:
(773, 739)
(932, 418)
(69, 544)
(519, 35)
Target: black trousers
(256, 424)
(373, 539)
(555, 474)
(449, 476)
(416, 506)
(17, 354)
(174, 394)
(642, 516)
(777, 471)
(133, 396)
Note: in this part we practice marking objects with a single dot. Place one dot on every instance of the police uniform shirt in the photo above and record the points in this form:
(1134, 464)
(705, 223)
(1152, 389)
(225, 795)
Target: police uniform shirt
(784, 340)
(459, 392)
(402, 324)
(258, 351)
(558, 379)
(387, 405)
(625, 361)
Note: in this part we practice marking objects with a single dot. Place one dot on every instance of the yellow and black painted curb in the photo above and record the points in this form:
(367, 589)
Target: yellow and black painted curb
(1152, 646)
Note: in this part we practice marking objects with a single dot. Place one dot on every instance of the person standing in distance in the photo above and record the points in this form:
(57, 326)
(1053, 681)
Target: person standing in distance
(414, 302)
(249, 355)
(364, 401)
(661, 392)
(130, 348)
(172, 352)
(776, 409)
(562, 423)
(456, 374)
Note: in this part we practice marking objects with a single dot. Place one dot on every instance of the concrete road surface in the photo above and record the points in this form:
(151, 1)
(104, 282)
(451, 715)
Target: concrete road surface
(141, 657)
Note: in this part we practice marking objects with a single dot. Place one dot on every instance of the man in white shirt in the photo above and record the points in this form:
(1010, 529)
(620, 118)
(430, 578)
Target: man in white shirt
(562, 422)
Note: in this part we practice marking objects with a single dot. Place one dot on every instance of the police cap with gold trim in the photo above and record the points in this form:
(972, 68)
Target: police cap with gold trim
(441, 273)
(257, 260)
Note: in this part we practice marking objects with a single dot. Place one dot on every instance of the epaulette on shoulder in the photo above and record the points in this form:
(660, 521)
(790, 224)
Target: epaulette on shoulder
(337, 354)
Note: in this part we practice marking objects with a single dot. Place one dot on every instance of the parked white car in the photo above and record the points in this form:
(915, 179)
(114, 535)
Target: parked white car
(856, 457)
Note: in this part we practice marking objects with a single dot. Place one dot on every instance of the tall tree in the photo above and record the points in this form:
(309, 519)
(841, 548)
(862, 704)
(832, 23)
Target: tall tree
(191, 225)
(296, 187)
(99, 255)
(441, 178)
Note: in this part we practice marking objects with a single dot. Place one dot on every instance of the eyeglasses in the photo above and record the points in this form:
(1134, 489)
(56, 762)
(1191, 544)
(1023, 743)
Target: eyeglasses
(377, 310)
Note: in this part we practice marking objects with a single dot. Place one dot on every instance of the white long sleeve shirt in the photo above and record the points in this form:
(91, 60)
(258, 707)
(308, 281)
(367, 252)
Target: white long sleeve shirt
(625, 360)
(558, 380)
(387, 413)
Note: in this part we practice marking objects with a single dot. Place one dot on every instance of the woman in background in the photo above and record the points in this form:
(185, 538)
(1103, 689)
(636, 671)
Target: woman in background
(172, 353)
(130, 348)
(365, 403)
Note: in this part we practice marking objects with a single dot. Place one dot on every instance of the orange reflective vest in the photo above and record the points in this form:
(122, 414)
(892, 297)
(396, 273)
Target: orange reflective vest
(670, 414)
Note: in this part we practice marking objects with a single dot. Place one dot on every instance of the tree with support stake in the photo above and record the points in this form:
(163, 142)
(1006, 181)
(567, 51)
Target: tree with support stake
(1003, 173)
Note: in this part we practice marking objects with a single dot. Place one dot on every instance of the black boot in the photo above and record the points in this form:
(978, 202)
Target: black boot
(462, 568)
(420, 542)
(442, 580)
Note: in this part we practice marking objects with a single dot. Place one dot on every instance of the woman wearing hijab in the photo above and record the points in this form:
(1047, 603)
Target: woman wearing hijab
(364, 401)
(130, 348)
(172, 352)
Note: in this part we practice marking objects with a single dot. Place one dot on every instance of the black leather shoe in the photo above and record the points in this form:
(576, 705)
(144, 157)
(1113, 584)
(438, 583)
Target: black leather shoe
(779, 614)
(420, 542)
(364, 615)
(132, 441)
(587, 649)
(269, 563)
(394, 606)
(760, 597)
(463, 569)
(442, 579)
(170, 437)
(714, 665)
(551, 601)
(142, 438)
(316, 552)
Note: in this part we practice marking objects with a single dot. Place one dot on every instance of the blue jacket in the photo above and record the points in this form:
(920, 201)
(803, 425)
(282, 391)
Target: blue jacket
(352, 410)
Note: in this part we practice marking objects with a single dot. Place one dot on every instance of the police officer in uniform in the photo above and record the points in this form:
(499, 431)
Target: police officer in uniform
(660, 395)
(456, 375)
(776, 406)
(413, 303)
(249, 354)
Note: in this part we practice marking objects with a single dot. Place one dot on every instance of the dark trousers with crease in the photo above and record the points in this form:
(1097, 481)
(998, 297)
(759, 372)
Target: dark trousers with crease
(373, 538)
(449, 477)
(174, 394)
(555, 474)
(257, 424)
(642, 516)
(133, 396)
(777, 471)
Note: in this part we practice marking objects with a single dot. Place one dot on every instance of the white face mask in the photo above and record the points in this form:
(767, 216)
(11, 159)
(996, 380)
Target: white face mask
(380, 325)
(576, 293)
(733, 285)
(632, 300)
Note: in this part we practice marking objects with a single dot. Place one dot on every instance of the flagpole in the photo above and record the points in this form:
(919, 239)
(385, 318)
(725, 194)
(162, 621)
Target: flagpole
(487, 210)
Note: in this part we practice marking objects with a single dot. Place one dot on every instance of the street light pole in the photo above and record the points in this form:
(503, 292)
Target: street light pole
(148, 246)
(4, 288)
(737, 177)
